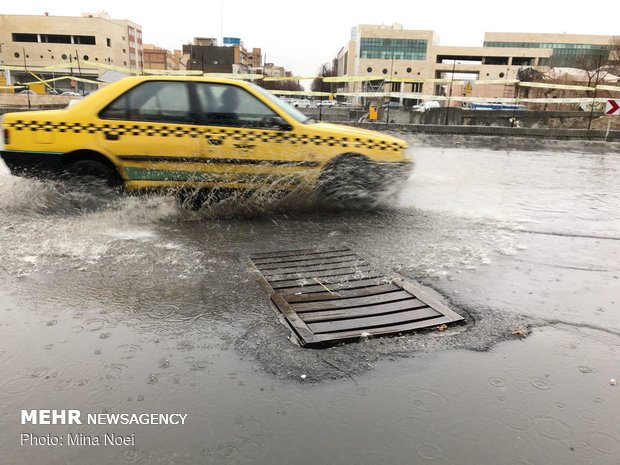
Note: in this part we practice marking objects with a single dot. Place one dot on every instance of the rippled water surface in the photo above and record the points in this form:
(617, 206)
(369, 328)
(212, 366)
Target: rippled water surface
(134, 305)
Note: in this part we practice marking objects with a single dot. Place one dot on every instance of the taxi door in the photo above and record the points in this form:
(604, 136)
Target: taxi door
(246, 143)
(151, 130)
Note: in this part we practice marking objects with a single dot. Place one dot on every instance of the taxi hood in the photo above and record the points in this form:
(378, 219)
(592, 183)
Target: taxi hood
(350, 131)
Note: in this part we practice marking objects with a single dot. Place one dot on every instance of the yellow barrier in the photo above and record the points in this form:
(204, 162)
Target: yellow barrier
(336, 79)
(548, 85)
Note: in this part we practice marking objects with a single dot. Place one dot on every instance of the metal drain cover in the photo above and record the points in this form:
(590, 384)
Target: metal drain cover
(331, 294)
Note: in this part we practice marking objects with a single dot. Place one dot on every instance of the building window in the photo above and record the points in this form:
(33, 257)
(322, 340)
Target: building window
(25, 37)
(109, 42)
(56, 38)
(84, 40)
(397, 49)
(564, 55)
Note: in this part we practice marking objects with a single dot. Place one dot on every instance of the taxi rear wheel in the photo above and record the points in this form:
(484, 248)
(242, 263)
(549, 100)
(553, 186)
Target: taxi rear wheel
(350, 178)
(91, 176)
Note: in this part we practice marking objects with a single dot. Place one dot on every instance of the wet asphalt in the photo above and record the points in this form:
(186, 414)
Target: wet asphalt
(134, 305)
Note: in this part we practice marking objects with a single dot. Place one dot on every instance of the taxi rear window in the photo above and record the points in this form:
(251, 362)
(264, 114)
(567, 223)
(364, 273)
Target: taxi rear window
(154, 101)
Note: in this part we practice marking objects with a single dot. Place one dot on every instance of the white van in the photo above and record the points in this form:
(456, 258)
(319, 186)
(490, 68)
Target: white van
(424, 106)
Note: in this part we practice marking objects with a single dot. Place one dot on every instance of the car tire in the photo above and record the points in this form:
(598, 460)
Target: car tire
(350, 179)
(92, 176)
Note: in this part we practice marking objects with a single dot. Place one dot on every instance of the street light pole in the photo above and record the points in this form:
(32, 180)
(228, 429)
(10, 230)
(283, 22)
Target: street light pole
(53, 75)
(390, 86)
(26, 70)
(450, 93)
(77, 57)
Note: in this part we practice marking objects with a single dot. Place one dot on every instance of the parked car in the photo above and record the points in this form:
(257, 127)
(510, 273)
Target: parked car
(71, 94)
(153, 132)
(326, 103)
(496, 106)
(425, 106)
(393, 105)
(28, 92)
(303, 103)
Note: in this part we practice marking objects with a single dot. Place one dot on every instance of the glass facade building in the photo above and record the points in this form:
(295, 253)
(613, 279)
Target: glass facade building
(563, 54)
(397, 49)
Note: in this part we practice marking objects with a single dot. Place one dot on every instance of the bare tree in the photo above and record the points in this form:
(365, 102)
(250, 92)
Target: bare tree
(318, 85)
(614, 55)
(595, 66)
(281, 85)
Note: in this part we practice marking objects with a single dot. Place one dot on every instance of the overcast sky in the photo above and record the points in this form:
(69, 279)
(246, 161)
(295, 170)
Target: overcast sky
(302, 35)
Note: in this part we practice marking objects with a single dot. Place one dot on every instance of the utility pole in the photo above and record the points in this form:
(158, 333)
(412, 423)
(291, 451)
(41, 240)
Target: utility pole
(390, 87)
(26, 69)
(77, 57)
(71, 66)
(450, 93)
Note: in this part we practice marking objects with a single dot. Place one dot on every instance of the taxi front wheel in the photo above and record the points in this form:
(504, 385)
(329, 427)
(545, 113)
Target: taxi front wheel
(350, 178)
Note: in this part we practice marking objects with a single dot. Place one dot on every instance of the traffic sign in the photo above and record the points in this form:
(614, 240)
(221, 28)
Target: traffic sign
(467, 89)
(612, 108)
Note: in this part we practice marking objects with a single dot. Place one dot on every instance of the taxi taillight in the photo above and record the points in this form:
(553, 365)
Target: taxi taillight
(5, 133)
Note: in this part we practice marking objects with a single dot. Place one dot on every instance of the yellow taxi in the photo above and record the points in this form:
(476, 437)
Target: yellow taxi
(144, 133)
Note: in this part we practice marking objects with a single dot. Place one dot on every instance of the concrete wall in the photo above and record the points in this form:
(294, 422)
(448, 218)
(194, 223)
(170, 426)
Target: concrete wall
(459, 117)
(557, 134)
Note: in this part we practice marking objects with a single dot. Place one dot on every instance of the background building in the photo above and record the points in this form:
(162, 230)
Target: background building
(255, 59)
(76, 42)
(157, 58)
(206, 56)
(392, 53)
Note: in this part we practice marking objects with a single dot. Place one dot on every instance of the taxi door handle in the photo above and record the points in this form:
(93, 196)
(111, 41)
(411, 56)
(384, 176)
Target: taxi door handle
(109, 136)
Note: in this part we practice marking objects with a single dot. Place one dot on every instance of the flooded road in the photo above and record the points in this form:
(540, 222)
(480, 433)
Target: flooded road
(140, 307)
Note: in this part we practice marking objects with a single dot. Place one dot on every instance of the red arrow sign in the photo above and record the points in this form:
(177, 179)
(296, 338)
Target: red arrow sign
(612, 108)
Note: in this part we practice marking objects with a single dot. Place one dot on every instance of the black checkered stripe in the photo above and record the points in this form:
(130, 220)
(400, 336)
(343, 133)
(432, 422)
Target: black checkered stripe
(251, 135)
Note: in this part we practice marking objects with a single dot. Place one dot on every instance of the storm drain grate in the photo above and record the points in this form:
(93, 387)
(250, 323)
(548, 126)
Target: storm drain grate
(331, 294)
